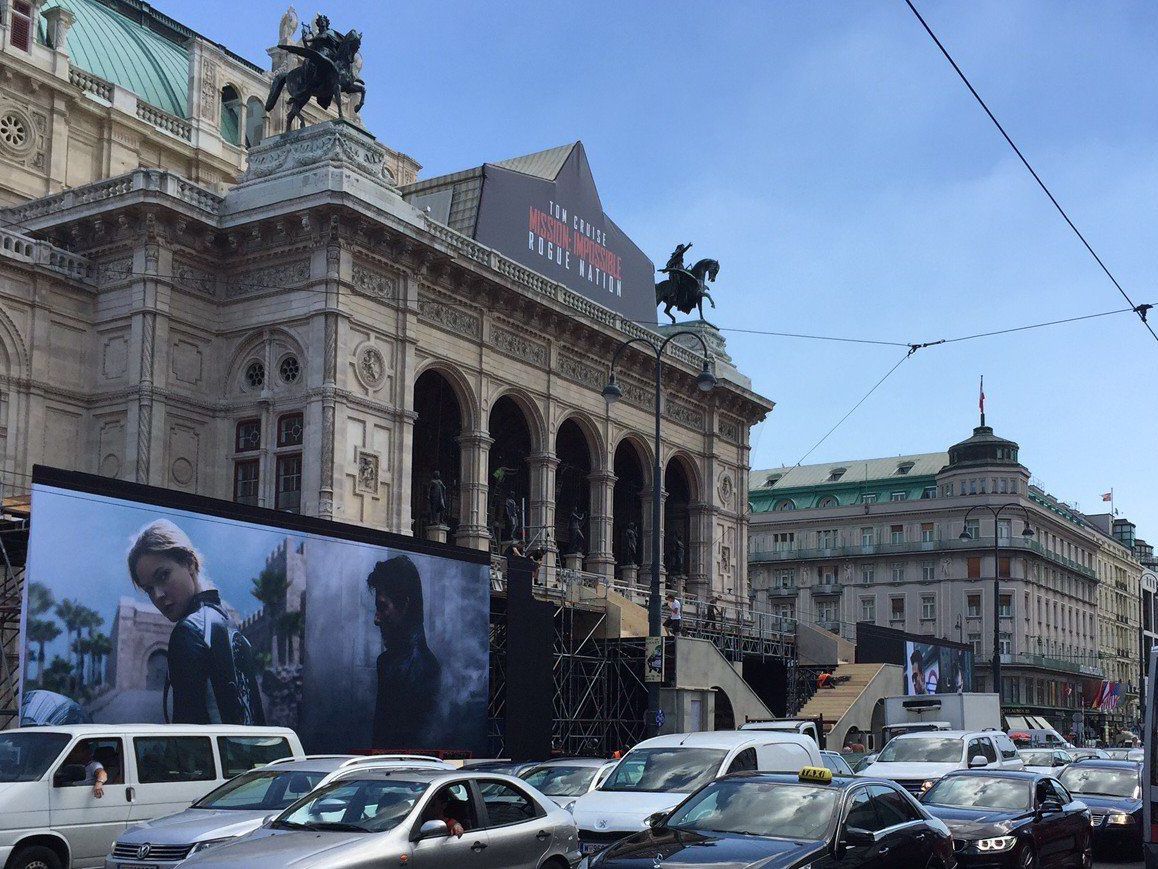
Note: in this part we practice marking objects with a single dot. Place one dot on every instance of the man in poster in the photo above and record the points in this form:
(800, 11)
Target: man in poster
(409, 676)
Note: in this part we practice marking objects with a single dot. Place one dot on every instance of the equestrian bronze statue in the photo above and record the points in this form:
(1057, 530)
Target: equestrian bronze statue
(328, 71)
(685, 288)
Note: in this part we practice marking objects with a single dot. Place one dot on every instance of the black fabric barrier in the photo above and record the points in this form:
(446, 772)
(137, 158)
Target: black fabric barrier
(530, 637)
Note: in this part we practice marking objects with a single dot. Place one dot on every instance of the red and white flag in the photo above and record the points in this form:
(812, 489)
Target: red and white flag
(1109, 496)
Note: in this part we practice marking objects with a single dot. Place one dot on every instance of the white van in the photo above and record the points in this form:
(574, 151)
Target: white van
(50, 819)
(658, 773)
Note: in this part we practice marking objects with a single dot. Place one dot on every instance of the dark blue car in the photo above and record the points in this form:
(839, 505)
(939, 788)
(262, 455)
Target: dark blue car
(780, 821)
(1113, 791)
(1002, 818)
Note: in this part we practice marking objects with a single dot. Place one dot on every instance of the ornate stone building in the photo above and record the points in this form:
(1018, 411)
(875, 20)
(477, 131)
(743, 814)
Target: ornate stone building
(306, 339)
(879, 540)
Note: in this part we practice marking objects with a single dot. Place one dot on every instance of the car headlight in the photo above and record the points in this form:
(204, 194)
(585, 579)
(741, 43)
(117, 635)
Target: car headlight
(1119, 818)
(210, 843)
(996, 844)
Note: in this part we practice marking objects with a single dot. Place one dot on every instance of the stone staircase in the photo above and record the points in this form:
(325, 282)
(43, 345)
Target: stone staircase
(832, 704)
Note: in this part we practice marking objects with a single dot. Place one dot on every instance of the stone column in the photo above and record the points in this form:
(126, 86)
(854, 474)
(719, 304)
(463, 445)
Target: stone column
(600, 551)
(474, 460)
(645, 539)
(701, 553)
(542, 512)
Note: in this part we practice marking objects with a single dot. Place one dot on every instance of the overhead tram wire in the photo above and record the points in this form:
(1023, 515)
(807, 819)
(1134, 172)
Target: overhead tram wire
(852, 410)
(1140, 310)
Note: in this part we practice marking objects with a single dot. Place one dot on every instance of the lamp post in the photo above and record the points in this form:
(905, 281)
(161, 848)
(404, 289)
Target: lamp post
(705, 382)
(1026, 532)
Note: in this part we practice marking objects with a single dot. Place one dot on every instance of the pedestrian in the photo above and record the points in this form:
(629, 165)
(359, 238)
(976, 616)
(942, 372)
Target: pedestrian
(675, 615)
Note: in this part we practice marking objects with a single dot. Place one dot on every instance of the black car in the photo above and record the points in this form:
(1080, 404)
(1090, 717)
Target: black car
(1113, 791)
(1015, 819)
(779, 821)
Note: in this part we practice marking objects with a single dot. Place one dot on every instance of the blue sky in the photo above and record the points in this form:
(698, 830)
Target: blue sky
(829, 158)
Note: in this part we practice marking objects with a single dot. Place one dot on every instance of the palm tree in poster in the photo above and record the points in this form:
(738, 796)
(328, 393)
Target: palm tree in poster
(101, 647)
(269, 587)
(68, 611)
(41, 632)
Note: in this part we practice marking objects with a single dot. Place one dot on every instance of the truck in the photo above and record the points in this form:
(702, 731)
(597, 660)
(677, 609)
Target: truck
(971, 711)
(813, 727)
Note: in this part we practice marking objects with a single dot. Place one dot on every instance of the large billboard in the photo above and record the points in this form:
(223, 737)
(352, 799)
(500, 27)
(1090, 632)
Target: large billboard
(556, 226)
(146, 605)
(931, 665)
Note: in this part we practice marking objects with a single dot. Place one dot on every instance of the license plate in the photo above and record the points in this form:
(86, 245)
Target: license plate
(586, 848)
(138, 866)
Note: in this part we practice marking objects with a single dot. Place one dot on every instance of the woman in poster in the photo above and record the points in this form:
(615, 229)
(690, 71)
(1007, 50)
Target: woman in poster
(211, 668)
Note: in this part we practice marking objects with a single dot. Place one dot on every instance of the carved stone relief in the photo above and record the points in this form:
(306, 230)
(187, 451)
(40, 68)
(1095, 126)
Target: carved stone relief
(374, 284)
(451, 319)
(273, 277)
(368, 464)
(519, 346)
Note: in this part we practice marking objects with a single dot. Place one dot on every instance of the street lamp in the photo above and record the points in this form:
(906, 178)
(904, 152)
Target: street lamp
(705, 382)
(1026, 532)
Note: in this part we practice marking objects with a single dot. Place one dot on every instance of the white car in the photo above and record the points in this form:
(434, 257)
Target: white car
(916, 760)
(564, 779)
(658, 773)
(1045, 761)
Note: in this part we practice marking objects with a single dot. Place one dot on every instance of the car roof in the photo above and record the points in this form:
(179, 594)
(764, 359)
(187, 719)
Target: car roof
(574, 761)
(725, 739)
(948, 734)
(156, 729)
(1103, 763)
(1019, 775)
(837, 780)
(329, 763)
(422, 774)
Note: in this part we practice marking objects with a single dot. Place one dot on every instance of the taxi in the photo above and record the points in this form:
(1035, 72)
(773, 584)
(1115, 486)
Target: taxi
(787, 821)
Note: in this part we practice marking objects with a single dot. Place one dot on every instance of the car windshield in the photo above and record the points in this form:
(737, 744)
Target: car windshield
(658, 770)
(836, 763)
(1102, 781)
(980, 792)
(261, 790)
(364, 806)
(27, 755)
(561, 781)
(1037, 758)
(753, 808)
(922, 749)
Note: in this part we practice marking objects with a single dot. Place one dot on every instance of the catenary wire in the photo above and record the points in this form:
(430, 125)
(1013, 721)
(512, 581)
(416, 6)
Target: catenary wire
(854, 407)
(1136, 308)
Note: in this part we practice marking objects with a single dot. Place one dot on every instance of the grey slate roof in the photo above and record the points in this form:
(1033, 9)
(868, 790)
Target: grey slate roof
(542, 164)
(856, 471)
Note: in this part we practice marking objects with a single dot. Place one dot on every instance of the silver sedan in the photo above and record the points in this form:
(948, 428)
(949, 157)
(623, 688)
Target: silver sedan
(422, 818)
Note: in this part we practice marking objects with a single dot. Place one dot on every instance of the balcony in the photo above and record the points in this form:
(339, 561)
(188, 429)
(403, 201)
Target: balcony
(829, 590)
(983, 545)
(783, 591)
(1048, 663)
(829, 625)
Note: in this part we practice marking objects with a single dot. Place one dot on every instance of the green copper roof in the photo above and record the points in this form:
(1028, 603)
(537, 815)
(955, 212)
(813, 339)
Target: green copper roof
(109, 45)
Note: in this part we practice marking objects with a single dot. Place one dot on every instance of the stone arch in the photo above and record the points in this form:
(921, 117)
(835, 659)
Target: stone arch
(680, 533)
(468, 402)
(435, 447)
(254, 121)
(576, 461)
(513, 442)
(642, 448)
(691, 469)
(268, 346)
(536, 421)
(631, 465)
(229, 117)
(592, 435)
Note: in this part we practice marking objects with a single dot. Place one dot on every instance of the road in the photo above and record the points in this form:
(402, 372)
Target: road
(1103, 863)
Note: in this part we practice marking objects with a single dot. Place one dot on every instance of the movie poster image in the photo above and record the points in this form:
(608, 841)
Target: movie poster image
(935, 669)
(141, 613)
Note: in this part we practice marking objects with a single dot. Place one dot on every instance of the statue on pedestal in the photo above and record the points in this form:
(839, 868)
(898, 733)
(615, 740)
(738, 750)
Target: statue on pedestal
(676, 563)
(436, 498)
(328, 71)
(511, 509)
(685, 288)
(631, 543)
(575, 531)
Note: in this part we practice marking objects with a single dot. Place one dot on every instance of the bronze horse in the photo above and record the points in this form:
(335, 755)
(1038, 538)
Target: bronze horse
(319, 77)
(687, 289)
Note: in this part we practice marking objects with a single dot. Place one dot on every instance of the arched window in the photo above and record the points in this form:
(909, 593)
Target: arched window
(156, 668)
(828, 501)
(254, 121)
(230, 115)
(785, 504)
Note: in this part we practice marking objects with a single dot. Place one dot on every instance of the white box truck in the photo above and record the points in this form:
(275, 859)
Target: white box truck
(939, 712)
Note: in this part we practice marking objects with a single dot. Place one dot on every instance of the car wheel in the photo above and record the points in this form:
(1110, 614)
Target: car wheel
(35, 857)
(1028, 857)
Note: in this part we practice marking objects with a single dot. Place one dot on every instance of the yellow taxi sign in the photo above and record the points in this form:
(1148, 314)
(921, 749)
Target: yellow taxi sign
(817, 774)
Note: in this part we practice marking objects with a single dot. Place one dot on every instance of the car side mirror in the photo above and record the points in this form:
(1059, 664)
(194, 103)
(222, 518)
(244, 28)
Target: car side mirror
(69, 774)
(656, 820)
(1051, 806)
(977, 761)
(855, 837)
(432, 830)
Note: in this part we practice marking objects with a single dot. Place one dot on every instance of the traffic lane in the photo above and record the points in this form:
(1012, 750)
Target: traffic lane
(1105, 863)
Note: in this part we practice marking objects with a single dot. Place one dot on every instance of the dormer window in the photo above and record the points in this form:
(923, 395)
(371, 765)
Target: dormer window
(835, 474)
(904, 468)
(772, 480)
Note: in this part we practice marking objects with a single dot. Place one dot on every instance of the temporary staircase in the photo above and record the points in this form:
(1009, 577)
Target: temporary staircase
(851, 702)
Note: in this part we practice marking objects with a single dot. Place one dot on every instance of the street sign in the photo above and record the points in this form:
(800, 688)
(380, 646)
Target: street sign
(660, 718)
(1077, 718)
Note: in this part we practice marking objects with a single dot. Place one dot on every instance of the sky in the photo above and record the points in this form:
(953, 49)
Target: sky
(828, 156)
